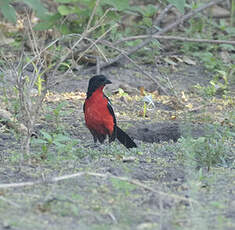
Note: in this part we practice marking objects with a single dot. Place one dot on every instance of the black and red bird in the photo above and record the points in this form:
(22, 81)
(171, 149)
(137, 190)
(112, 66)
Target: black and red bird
(99, 115)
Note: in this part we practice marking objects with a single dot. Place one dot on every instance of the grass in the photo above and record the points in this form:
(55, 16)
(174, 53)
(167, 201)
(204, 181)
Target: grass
(105, 202)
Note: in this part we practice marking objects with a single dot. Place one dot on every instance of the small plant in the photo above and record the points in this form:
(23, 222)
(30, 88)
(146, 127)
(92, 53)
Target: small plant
(208, 59)
(57, 112)
(219, 85)
(59, 142)
(209, 150)
(55, 140)
(82, 11)
(208, 91)
(148, 104)
(123, 186)
(179, 4)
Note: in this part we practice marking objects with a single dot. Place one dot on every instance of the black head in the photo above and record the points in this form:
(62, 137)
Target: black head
(95, 82)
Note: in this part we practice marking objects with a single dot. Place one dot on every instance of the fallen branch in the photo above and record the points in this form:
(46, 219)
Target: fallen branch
(106, 175)
(164, 30)
(183, 39)
(162, 15)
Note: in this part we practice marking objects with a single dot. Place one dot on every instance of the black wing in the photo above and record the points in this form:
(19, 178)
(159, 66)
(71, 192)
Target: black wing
(111, 110)
(84, 108)
(114, 134)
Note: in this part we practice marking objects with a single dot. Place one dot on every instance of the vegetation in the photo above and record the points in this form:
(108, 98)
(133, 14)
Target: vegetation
(51, 174)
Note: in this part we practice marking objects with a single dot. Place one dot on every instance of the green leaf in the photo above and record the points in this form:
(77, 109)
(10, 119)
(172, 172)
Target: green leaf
(119, 5)
(66, 1)
(58, 145)
(150, 10)
(179, 4)
(46, 135)
(37, 6)
(43, 26)
(64, 29)
(62, 138)
(39, 141)
(8, 11)
(137, 9)
(66, 10)
(147, 21)
(124, 186)
(228, 47)
(58, 108)
(230, 30)
(48, 22)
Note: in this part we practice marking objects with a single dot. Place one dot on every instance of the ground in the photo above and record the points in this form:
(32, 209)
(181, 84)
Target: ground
(155, 186)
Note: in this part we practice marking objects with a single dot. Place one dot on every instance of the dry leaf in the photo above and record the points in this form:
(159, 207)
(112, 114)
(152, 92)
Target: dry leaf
(170, 61)
(225, 57)
(188, 61)
(219, 107)
(141, 114)
(155, 93)
(184, 98)
(129, 159)
(173, 117)
(176, 58)
(189, 106)
(219, 12)
(142, 91)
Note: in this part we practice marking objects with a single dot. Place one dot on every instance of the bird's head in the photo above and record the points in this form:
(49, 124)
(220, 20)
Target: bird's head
(96, 82)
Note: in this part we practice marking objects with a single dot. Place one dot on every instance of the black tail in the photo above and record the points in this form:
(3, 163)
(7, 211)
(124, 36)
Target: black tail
(125, 139)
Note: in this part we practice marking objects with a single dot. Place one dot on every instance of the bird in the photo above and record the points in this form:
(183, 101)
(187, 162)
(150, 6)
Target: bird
(99, 115)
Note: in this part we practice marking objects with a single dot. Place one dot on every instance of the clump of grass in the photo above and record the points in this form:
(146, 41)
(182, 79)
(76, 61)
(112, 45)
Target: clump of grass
(212, 149)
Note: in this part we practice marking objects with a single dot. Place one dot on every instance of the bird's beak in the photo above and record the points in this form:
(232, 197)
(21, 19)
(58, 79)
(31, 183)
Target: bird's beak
(107, 82)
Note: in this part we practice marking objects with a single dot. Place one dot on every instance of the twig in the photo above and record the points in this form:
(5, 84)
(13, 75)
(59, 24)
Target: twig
(17, 185)
(31, 36)
(100, 50)
(162, 15)
(92, 14)
(45, 49)
(98, 24)
(95, 42)
(112, 217)
(85, 33)
(183, 39)
(29, 104)
(98, 65)
(106, 175)
(188, 16)
(156, 80)
(9, 202)
(164, 30)
(158, 19)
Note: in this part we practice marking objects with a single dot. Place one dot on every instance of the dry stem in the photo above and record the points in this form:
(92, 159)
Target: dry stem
(183, 39)
(106, 175)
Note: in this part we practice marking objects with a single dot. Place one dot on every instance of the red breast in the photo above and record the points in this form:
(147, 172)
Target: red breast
(97, 115)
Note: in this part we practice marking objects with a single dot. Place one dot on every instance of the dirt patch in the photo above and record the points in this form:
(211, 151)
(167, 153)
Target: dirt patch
(130, 78)
(165, 131)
